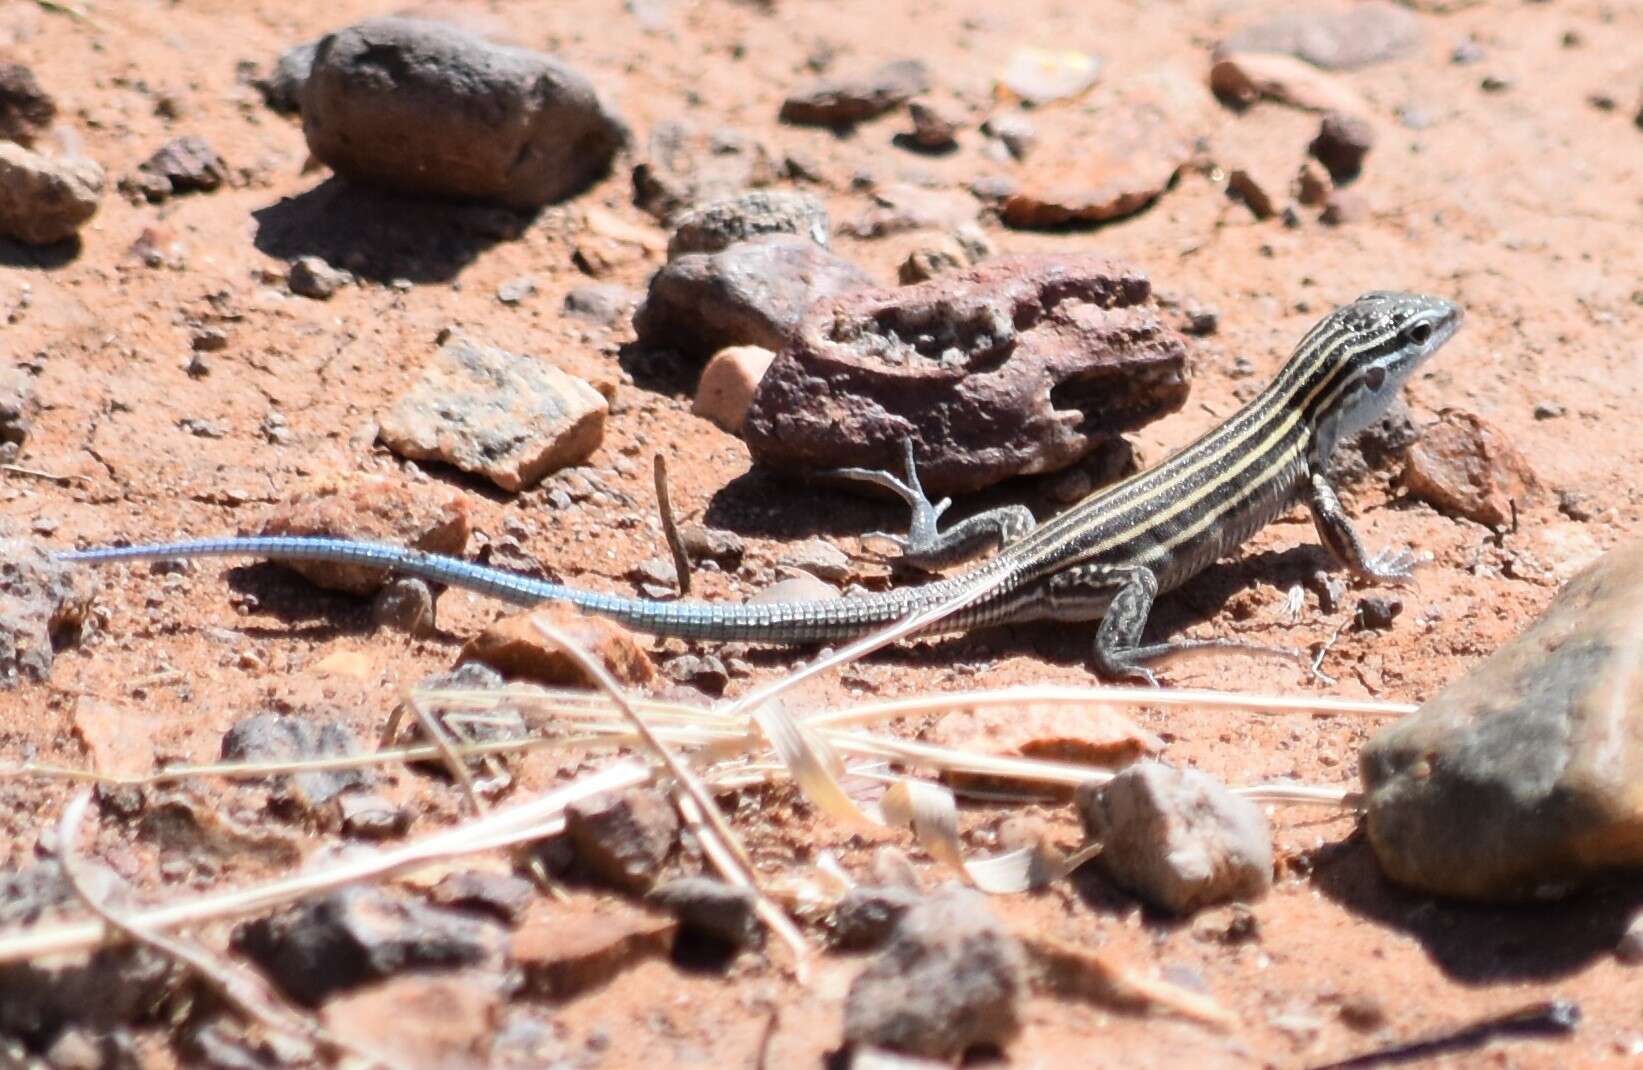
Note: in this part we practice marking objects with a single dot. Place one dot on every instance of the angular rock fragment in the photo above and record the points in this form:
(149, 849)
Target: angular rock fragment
(1341, 145)
(517, 649)
(183, 165)
(623, 838)
(1022, 365)
(511, 419)
(711, 908)
(358, 935)
(753, 293)
(43, 603)
(1098, 736)
(1240, 79)
(934, 128)
(282, 86)
(717, 226)
(312, 277)
(867, 915)
(26, 110)
(950, 979)
(1178, 838)
(564, 949)
(44, 200)
(727, 385)
(274, 737)
(1462, 466)
(1358, 34)
(422, 106)
(1520, 779)
(500, 896)
(845, 102)
(371, 508)
(439, 1022)
(1109, 162)
(17, 407)
(685, 168)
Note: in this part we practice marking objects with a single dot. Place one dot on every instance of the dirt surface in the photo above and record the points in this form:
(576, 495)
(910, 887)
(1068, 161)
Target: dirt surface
(1523, 202)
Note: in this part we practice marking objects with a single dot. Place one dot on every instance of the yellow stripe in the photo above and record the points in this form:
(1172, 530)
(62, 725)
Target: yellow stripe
(1261, 408)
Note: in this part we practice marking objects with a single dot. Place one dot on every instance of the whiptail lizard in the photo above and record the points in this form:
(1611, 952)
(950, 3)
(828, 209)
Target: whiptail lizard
(1105, 558)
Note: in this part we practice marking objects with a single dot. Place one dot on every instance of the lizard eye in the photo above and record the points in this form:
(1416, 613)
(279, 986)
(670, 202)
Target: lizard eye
(1375, 377)
(1418, 333)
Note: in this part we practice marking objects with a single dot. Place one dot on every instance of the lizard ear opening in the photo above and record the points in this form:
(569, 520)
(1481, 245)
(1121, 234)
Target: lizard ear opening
(1375, 377)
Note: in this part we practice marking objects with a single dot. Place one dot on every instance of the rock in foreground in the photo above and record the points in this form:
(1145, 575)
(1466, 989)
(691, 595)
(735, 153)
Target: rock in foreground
(424, 107)
(949, 980)
(1178, 838)
(1523, 777)
(1022, 365)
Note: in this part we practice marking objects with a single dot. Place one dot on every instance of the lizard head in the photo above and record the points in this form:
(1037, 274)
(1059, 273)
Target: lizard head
(1363, 353)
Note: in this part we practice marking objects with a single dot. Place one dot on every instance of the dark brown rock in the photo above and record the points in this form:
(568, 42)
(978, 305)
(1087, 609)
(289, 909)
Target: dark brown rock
(623, 838)
(185, 165)
(950, 979)
(1520, 779)
(712, 909)
(1463, 466)
(371, 508)
(845, 102)
(422, 106)
(1177, 837)
(358, 935)
(934, 129)
(753, 293)
(1242, 78)
(1021, 365)
(1341, 145)
(26, 110)
(501, 896)
(868, 913)
(1358, 34)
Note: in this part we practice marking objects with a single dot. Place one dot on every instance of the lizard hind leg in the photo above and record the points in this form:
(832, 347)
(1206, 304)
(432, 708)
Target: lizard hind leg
(927, 546)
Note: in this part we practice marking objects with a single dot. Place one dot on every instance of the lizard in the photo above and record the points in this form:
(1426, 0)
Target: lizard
(1106, 558)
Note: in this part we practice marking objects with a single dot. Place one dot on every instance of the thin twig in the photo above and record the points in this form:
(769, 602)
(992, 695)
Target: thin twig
(737, 867)
(447, 748)
(35, 473)
(542, 815)
(664, 505)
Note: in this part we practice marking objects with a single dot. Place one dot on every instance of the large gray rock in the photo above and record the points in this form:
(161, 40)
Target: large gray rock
(949, 979)
(1522, 777)
(510, 418)
(45, 200)
(422, 106)
(1022, 365)
(1178, 838)
(753, 293)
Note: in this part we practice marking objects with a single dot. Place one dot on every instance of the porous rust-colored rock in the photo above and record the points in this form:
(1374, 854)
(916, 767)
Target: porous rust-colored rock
(1021, 365)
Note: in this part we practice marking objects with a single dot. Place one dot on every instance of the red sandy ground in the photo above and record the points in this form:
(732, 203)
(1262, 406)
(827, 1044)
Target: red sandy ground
(1524, 205)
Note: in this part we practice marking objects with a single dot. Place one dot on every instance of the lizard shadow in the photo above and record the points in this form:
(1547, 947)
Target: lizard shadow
(383, 236)
(1480, 943)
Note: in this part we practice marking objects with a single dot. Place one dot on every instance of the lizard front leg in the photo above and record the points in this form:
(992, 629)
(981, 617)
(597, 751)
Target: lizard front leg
(1337, 533)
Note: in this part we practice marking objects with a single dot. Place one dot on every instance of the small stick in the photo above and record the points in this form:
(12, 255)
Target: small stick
(35, 473)
(664, 505)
